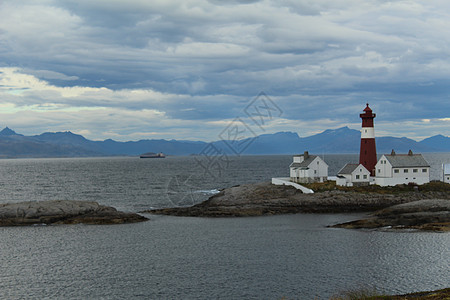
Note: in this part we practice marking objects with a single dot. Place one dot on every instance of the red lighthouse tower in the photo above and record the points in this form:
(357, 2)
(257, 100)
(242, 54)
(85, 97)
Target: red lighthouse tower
(368, 151)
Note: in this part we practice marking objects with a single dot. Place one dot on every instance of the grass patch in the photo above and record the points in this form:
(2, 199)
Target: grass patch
(434, 186)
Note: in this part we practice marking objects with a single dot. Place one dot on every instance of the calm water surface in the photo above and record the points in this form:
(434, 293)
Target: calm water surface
(294, 256)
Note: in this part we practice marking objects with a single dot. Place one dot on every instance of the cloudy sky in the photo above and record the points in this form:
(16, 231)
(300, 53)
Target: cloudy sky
(136, 69)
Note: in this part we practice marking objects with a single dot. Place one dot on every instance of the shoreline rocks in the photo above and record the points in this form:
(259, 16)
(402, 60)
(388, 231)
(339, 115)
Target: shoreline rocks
(431, 215)
(63, 212)
(268, 199)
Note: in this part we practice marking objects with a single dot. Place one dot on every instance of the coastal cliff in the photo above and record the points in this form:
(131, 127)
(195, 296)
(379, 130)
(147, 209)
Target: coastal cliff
(268, 199)
(63, 212)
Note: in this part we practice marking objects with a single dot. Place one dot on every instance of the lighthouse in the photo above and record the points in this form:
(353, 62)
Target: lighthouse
(368, 151)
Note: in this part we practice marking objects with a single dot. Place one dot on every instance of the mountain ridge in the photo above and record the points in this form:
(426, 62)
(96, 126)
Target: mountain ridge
(339, 140)
(8, 132)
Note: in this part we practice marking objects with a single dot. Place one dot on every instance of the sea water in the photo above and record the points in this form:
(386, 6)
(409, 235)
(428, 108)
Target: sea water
(293, 256)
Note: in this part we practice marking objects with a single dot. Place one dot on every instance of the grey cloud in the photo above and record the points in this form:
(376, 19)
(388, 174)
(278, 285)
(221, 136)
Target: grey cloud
(49, 75)
(307, 54)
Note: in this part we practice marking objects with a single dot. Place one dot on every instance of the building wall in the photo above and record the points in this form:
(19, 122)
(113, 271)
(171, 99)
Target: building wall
(405, 176)
(317, 172)
(308, 179)
(386, 175)
(383, 168)
(319, 167)
(346, 181)
(446, 172)
(411, 173)
(447, 178)
(301, 175)
(292, 172)
(360, 174)
(306, 176)
(384, 181)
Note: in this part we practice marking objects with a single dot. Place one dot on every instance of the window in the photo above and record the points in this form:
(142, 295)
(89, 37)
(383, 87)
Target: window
(315, 171)
(379, 170)
(424, 170)
(405, 171)
(365, 176)
(396, 170)
(357, 176)
(415, 170)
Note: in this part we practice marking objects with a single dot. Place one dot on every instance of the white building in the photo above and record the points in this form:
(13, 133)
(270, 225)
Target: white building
(353, 175)
(446, 172)
(396, 169)
(308, 168)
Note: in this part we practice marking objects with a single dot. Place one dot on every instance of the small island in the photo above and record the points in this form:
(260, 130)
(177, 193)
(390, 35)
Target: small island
(63, 212)
(267, 199)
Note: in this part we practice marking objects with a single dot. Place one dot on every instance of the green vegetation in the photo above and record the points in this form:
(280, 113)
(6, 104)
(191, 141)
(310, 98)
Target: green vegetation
(322, 186)
(434, 186)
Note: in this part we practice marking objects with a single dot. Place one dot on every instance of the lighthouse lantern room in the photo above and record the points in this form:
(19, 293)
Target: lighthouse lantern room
(368, 152)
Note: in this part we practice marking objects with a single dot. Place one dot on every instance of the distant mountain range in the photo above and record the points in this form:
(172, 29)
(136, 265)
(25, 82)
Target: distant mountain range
(341, 140)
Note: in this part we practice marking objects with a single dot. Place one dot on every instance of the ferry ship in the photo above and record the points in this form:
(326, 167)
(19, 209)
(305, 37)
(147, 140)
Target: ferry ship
(152, 155)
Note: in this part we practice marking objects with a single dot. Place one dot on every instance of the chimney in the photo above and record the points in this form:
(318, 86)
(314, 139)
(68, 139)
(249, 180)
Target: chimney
(410, 152)
(392, 152)
(305, 155)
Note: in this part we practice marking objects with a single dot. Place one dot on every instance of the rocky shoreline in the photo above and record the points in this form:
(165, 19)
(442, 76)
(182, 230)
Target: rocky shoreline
(432, 215)
(63, 212)
(441, 294)
(267, 199)
(427, 295)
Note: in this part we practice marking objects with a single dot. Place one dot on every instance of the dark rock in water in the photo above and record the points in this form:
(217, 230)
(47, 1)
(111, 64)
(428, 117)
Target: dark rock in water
(431, 214)
(63, 212)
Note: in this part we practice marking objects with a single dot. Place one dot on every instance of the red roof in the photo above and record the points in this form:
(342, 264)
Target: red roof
(367, 108)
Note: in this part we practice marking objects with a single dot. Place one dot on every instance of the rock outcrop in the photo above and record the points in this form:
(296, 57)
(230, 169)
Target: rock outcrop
(423, 214)
(63, 212)
(266, 199)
